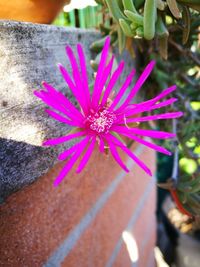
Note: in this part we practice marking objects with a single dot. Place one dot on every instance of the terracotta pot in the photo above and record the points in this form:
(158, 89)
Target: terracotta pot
(38, 11)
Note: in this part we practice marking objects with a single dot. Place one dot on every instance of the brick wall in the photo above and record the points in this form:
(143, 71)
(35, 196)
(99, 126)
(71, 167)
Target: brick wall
(101, 217)
(91, 219)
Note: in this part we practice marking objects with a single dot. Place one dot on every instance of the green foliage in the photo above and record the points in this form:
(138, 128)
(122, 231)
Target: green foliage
(63, 19)
(89, 17)
(150, 19)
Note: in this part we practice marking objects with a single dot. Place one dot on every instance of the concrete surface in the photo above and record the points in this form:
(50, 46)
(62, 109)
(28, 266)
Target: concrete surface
(28, 55)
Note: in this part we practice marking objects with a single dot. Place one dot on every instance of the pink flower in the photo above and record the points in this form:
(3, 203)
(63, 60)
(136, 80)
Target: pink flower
(100, 120)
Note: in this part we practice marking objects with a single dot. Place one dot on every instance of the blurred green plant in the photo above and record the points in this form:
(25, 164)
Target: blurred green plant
(89, 17)
(183, 68)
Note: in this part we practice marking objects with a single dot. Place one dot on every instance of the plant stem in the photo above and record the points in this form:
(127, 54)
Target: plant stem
(179, 204)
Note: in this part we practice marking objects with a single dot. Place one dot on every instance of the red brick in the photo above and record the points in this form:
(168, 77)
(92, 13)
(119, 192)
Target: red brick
(147, 258)
(143, 231)
(38, 217)
(35, 220)
(97, 243)
(123, 258)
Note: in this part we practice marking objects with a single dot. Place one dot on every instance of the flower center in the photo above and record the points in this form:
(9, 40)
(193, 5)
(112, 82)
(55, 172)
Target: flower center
(101, 121)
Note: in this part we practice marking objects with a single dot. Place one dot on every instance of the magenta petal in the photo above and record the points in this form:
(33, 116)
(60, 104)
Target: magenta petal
(138, 108)
(60, 118)
(148, 144)
(81, 91)
(130, 154)
(158, 97)
(112, 82)
(106, 73)
(101, 68)
(137, 160)
(116, 156)
(163, 104)
(123, 89)
(67, 78)
(148, 133)
(84, 73)
(138, 84)
(62, 101)
(71, 162)
(76, 92)
(74, 65)
(164, 116)
(50, 101)
(65, 154)
(87, 155)
(164, 93)
(102, 82)
(62, 139)
(37, 93)
(152, 146)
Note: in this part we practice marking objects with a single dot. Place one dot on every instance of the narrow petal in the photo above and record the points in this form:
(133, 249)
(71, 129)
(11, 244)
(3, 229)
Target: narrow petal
(164, 93)
(84, 73)
(65, 154)
(71, 162)
(134, 109)
(58, 96)
(87, 155)
(148, 144)
(67, 78)
(152, 146)
(76, 91)
(164, 116)
(62, 139)
(37, 93)
(154, 100)
(163, 104)
(77, 79)
(138, 84)
(148, 133)
(60, 118)
(106, 73)
(101, 68)
(75, 68)
(50, 101)
(116, 156)
(136, 159)
(112, 82)
(130, 154)
(123, 89)
(102, 82)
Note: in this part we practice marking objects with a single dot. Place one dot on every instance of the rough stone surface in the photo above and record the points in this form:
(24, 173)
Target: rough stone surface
(28, 55)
